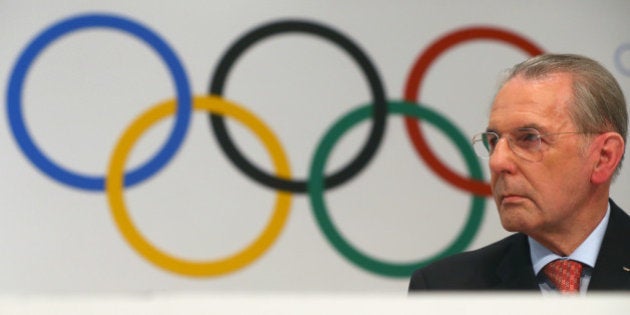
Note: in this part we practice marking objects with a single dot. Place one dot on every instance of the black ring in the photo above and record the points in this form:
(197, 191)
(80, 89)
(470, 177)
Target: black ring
(378, 95)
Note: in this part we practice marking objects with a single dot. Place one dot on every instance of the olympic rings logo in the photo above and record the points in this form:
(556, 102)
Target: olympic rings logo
(217, 107)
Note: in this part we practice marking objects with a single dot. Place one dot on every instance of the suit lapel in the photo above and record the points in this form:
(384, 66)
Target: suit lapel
(610, 271)
(515, 271)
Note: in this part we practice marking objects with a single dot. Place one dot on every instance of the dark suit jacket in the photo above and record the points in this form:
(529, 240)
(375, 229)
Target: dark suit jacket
(507, 265)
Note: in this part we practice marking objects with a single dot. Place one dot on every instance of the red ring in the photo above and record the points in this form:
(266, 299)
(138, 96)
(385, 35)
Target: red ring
(414, 82)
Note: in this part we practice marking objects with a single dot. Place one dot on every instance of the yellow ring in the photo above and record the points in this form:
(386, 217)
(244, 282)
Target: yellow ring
(114, 189)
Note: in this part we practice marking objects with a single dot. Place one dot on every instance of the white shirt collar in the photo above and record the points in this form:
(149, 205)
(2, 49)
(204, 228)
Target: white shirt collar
(586, 253)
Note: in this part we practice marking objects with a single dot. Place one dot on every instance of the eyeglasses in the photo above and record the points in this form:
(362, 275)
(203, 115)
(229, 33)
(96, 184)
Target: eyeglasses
(524, 142)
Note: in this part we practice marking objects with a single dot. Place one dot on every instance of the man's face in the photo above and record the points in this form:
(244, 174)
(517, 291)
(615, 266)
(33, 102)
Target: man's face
(538, 197)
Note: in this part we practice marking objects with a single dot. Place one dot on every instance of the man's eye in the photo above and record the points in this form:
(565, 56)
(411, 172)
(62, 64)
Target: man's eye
(528, 138)
(490, 140)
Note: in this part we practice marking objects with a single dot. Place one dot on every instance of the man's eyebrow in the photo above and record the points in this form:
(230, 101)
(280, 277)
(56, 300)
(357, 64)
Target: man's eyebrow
(532, 126)
(526, 126)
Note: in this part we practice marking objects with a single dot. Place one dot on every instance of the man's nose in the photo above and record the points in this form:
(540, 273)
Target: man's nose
(502, 157)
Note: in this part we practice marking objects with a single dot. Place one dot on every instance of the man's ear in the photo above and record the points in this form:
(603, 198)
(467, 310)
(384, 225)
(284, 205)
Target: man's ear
(609, 150)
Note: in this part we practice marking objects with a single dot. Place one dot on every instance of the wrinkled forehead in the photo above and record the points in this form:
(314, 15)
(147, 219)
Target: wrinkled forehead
(541, 103)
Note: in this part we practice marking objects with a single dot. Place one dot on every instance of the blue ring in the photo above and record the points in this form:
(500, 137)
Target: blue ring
(620, 51)
(68, 177)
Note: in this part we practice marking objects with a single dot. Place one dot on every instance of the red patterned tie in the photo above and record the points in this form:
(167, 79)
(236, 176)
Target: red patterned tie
(564, 274)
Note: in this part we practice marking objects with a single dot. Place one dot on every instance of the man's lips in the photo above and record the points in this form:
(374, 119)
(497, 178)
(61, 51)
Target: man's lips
(511, 198)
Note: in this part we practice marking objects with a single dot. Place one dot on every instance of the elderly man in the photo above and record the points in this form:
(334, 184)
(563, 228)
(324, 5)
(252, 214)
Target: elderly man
(555, 141)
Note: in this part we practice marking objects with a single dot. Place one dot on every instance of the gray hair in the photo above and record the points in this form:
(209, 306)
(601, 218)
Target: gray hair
(599, 104)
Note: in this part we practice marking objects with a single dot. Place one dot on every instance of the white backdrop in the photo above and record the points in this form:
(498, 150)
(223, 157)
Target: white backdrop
(85, 88)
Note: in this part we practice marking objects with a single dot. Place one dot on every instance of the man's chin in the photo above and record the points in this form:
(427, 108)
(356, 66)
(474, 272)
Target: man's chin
(513, 220)
(512, 227)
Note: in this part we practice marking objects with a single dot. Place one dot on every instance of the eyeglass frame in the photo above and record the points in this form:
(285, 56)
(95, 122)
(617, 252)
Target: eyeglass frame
(478, 142)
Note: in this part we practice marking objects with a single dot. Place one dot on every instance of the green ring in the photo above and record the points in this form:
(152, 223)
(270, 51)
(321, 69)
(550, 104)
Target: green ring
(316, 189)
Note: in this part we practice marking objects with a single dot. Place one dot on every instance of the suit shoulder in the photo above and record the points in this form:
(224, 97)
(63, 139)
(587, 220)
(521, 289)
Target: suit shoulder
(467, 270)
